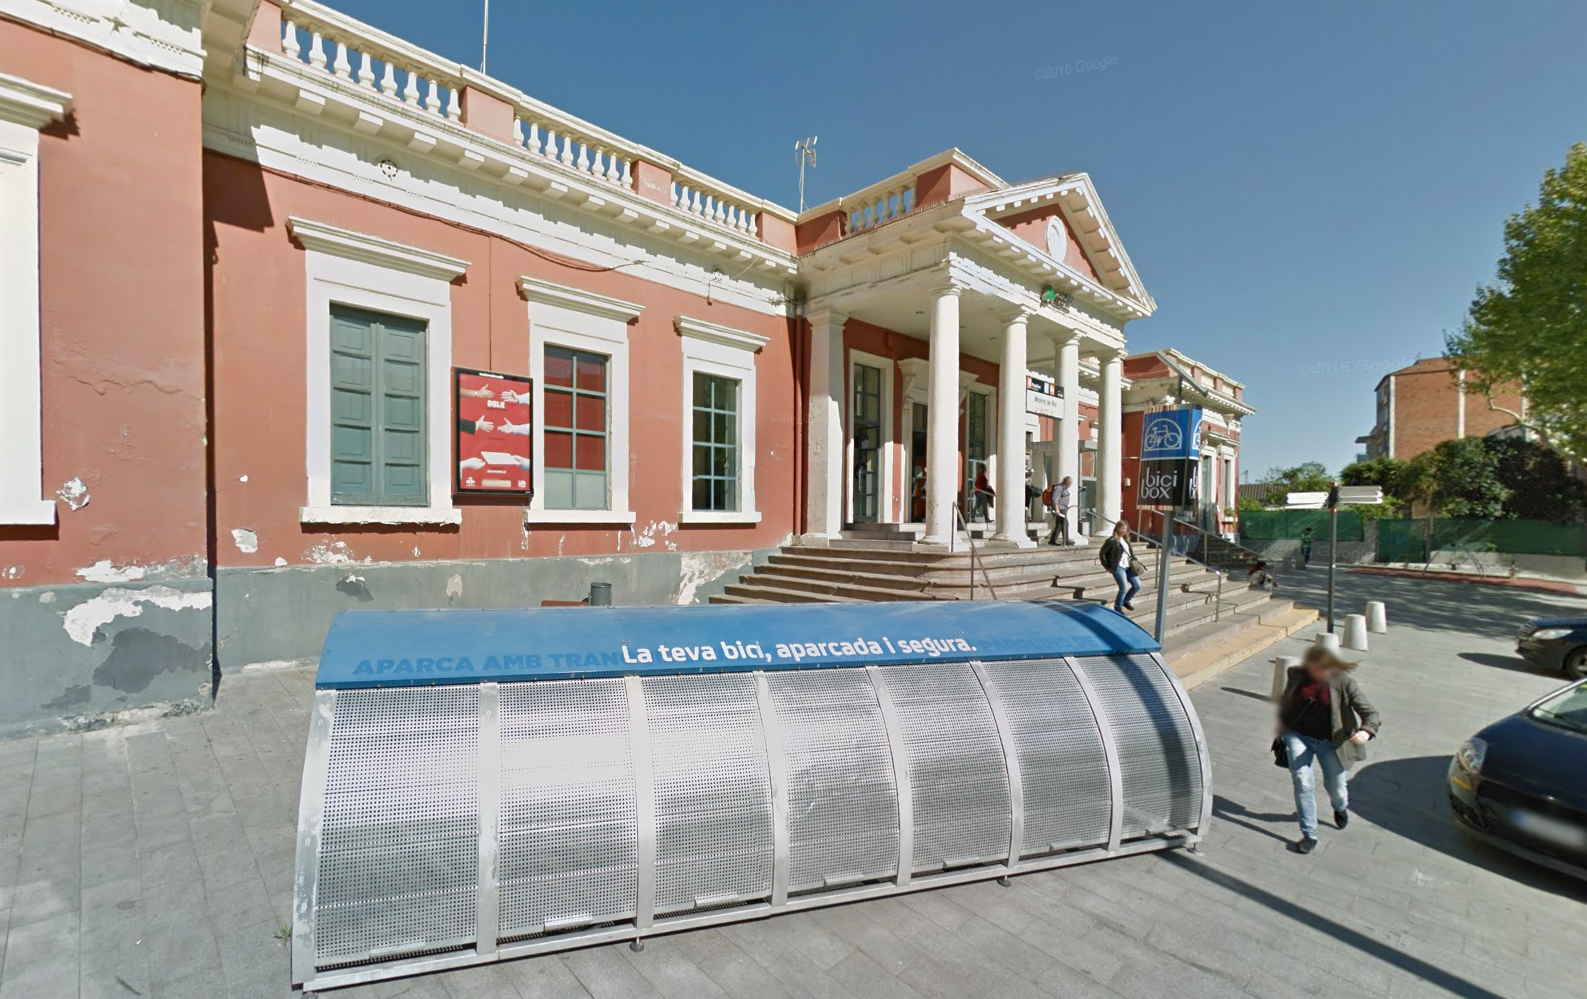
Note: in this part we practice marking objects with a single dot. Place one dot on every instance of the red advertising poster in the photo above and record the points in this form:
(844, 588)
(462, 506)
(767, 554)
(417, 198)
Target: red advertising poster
(494, 447)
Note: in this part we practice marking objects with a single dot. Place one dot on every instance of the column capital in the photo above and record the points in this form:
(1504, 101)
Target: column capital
(824, 314)
(1063, 335)
(1009, 313)
(944, 286)
(1110, 353)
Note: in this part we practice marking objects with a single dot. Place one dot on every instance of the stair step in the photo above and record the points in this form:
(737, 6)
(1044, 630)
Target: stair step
(783, 595)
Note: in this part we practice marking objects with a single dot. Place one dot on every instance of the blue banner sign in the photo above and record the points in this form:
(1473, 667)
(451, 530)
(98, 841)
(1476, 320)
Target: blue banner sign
(393, 648)
(1171, 434)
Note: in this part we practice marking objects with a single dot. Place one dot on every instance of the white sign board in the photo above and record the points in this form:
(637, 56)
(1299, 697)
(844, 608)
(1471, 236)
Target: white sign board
(1043, 397)
(1305, 501)
(1360, 495)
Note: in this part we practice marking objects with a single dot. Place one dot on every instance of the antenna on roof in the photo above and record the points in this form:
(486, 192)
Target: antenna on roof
(804, 152)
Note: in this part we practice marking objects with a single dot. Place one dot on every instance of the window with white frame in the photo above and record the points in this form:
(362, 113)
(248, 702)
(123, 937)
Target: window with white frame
(578, 358)
(25, 107)
(718, 483)
(378, 446)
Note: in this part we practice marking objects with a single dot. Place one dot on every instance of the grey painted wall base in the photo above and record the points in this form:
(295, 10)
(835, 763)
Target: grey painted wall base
(85, 655)
(268, 616)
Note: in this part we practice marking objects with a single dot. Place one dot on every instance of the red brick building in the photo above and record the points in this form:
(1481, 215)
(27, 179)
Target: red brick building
(1427, 403)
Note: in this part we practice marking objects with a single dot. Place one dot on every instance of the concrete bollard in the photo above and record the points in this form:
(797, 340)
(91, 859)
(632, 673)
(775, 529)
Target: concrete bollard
(1377, 617)
(1281, 667)
(1356, 632)
(1327, 640)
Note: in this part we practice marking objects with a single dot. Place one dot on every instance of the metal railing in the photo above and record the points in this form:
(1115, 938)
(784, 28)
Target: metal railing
(975, 554)
(1220, 573)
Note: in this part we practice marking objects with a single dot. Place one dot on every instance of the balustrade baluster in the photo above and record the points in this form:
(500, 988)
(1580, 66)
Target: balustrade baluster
(289, 42)
(410, 93)
(627, 179)
(366, 72)
(341, 67)
(599, 170)
(517, 131)
(611, 169)
(534, 138)
(751, 227)
(583, 165)
(432, 100)
(694, 209)
(674, 194)
(454, 110)
(566, 159)
(388, 81)
(316, 50)
(551, 144)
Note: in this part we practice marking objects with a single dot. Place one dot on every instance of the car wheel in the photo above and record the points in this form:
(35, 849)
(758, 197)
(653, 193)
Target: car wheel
(1576, 664)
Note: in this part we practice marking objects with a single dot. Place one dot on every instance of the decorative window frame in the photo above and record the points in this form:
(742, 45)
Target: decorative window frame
(349, 268)
(712, 349)
(25, 107)
(562, 316)
(886, 511)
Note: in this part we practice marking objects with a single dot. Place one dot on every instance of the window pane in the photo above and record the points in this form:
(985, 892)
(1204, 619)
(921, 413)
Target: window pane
(723, 429)
(591, 453)
(559, 366)
(702, 426)
(702, 494)
(558, 408)
(702, 390)
(592, 373)
(591, 413)
(702, 459)
(559, 449)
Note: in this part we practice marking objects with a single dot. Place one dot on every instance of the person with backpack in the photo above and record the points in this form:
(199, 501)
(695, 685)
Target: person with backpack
(1056, 499)
(1118, 559)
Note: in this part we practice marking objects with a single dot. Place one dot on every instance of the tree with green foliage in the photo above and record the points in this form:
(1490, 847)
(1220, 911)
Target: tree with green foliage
(1307, 477)
(1383, 472)
(1531, 326)
(1540, 483)
(1462, 480)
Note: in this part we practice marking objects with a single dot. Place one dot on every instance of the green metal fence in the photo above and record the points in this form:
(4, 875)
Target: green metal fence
(1414, 540)
(1272, 525)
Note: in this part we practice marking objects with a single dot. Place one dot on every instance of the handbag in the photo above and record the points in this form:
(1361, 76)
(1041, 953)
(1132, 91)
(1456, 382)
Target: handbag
(1137, 566)
(1280, 757)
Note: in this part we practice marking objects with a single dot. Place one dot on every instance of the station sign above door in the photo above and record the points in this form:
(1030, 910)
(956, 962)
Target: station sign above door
(1043, 396)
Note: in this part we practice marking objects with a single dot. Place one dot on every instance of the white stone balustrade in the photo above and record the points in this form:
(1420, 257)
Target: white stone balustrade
(557, 142)
(877, 206)
(400, 79)
(709, 205)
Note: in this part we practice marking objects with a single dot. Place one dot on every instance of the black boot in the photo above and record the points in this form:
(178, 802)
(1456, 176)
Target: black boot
(1306, 845)
(1341, 818)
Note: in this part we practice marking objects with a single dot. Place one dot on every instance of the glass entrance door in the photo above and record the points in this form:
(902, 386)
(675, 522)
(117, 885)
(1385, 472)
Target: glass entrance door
(917, 462)
(867, 428)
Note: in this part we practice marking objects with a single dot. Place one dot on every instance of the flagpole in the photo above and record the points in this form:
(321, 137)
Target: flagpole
(484, 43)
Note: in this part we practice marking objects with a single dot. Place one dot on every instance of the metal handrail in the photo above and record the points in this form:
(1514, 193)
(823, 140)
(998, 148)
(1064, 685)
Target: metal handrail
(975, 555)
(1217, 609)
(1206, 537)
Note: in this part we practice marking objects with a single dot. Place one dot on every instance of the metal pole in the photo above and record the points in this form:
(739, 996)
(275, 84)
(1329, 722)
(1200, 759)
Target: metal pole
(1163, 563)
(484, 42)
(1333, 548)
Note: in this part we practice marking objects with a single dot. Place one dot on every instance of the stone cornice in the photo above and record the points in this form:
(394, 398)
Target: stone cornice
(562, 296)
(726, 336)
(323, 238)
(33, 105)
(165, 36)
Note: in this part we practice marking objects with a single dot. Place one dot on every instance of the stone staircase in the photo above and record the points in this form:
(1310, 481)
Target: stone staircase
(882, 565)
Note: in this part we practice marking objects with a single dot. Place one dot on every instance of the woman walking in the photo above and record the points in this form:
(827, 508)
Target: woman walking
(1118, 559)
(1323, 716)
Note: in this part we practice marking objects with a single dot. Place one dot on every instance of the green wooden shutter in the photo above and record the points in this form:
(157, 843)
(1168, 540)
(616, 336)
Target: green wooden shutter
(378, 426)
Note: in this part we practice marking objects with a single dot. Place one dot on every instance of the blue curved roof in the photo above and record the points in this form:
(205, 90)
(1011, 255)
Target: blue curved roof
(405, 647)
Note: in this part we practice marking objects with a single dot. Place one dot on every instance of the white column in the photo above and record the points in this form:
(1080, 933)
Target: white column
(1067, 377)
(1110, 414)
(825, 443)
(1011, 518)
(942, 405)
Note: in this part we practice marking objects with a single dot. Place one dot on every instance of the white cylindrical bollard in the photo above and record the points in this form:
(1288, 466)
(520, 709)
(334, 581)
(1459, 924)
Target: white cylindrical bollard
(1356, 632)
(1281, 667)
(1377, 617)
(1328, 640)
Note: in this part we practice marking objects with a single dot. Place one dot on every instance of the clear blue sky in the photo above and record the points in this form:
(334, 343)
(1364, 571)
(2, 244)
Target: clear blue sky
(1311, 192)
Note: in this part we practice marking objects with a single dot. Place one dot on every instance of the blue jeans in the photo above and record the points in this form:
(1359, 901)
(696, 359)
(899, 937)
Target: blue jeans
(1302, 750)
(1125, 578)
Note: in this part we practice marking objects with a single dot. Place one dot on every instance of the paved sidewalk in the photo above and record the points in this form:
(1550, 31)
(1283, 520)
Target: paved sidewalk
(156, 861)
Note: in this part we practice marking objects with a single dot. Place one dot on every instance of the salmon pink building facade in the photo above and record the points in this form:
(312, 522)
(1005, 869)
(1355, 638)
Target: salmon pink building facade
(380, 331)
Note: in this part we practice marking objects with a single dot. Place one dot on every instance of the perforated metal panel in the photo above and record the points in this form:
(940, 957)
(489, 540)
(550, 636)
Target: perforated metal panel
(399, 845)
(1062, 765)
(568, 836)
(843, 804)
(956, 768)
(1156, 743)
(713, 794)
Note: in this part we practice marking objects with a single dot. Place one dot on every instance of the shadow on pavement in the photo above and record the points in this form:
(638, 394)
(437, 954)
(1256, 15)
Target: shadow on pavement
(1246, 693)
(1238, 814)
(1297, 911)
(1433, 604)
(1514, 663)
(1408, 797)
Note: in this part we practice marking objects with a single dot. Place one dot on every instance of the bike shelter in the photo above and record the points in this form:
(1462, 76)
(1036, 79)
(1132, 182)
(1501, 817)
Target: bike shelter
(488, 784)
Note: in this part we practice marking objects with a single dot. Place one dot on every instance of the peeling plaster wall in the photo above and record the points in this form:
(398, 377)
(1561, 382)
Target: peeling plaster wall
(83, 655)
(121, 294)
(270, 615)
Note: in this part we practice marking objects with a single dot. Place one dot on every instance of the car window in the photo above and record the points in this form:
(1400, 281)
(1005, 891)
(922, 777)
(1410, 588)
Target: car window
(1567, 709)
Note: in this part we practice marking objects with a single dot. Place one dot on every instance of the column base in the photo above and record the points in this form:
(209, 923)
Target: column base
(815, 540)
(1018, 541)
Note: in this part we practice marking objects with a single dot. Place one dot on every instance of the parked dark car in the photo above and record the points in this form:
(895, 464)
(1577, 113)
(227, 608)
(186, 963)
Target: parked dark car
(1519, 785)
(1556, 642)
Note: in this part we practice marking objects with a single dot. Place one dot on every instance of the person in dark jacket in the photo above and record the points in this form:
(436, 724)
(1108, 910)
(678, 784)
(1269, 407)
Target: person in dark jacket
(1324, 717)
(1117, 558)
